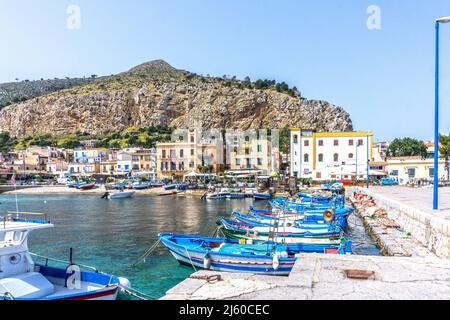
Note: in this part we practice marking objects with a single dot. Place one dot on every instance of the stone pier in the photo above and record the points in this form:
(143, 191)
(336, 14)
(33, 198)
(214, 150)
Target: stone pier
(320, 276)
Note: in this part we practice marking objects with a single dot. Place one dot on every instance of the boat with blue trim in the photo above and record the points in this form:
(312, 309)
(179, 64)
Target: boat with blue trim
(221, 254)
(22, 279)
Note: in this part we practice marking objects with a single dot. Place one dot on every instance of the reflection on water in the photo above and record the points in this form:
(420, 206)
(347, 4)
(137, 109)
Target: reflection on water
(112, 234)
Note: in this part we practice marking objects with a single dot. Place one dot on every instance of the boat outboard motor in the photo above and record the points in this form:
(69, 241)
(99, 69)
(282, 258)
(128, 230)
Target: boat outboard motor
(105, 195)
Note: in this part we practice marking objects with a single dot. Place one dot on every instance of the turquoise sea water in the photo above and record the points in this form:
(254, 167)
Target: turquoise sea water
(112, 234)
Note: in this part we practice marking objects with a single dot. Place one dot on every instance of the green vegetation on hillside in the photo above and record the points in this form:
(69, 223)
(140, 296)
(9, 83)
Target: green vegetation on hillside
(156, 73)
(15, 92)
(130, 137)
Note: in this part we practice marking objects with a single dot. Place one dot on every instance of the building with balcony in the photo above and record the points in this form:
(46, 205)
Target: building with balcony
(92, 155)
(252, 153)
(330, 155)
(188, 152)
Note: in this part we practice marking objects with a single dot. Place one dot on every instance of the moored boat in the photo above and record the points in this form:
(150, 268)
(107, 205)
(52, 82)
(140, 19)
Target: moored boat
(236, 195)
(118, 195)
(220, 254)
(261, 195)
(217, 195)
(22, 279)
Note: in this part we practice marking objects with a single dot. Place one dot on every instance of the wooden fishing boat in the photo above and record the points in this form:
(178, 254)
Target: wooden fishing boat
(141, 186)
(269, 221)
(220, 254)
(87, 186)
(261, 195)
(236, 195)
(22, 279)
(217, 195)
(329, 231)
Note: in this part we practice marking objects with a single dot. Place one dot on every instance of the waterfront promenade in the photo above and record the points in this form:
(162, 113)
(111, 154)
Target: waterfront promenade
(419, 198)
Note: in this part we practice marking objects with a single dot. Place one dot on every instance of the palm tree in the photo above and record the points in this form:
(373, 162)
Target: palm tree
(444, 149)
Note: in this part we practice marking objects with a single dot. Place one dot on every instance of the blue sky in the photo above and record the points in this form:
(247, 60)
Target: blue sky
(383, 78)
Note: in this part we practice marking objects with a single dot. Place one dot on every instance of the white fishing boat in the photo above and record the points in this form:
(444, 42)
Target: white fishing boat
(22, 279)
(217, 195)
(118, 195)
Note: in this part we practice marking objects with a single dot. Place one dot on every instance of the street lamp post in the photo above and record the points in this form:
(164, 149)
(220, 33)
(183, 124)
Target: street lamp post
(436, 119)
(368, 163)
(356, 164)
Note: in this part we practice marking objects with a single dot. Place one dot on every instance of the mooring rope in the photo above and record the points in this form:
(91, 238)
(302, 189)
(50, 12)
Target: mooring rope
(147, 253)
(136, 293)
(195, 269)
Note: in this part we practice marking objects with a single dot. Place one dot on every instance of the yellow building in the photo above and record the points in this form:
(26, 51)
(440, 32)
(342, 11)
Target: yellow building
(412, 169)
(253, 154)
(188, 152)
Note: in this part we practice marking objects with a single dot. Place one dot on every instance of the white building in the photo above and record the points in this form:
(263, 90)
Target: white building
(330, 155)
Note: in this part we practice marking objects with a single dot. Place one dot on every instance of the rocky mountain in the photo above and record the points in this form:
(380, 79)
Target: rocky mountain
(14, 92)
(155, 93)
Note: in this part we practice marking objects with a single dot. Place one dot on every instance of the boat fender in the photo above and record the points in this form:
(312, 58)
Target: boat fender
(284, 254)
(329, 215)
(206, 262)
(124, 282)
(276, 262)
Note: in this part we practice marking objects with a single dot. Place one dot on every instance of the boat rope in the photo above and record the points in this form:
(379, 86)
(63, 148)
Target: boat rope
(147, 253)
(195, 269)
(136, 293)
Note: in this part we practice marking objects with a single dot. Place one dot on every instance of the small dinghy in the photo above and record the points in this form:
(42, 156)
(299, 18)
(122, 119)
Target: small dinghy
(22, 279)
(220, 254)
(118, 195)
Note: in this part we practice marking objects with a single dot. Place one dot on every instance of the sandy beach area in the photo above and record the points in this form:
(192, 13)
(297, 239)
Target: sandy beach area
(46, 190)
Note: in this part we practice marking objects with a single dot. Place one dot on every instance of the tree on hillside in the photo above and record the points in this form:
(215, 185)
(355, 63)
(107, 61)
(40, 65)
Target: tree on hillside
(444, 149)
(285, 140)
(407, 147)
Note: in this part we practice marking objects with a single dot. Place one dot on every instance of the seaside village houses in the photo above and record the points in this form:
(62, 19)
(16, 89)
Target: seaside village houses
(103, 162)
(320, 156)
(236, 153)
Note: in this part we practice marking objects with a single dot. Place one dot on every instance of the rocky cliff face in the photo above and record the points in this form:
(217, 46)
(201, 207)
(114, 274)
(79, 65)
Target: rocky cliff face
(157, 94)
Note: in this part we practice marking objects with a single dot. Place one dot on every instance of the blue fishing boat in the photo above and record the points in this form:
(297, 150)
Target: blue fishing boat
(141, 186)
(330, 231)
(220, 254)
(236, 195)
(300, 223)
(261, 196)
(307, 215)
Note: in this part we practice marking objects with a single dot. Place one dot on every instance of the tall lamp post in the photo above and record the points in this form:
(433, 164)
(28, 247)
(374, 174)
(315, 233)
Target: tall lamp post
(436, 119)
(368, 163)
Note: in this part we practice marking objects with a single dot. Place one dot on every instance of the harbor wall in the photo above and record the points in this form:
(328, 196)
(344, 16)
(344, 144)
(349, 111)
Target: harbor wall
(432, 230)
